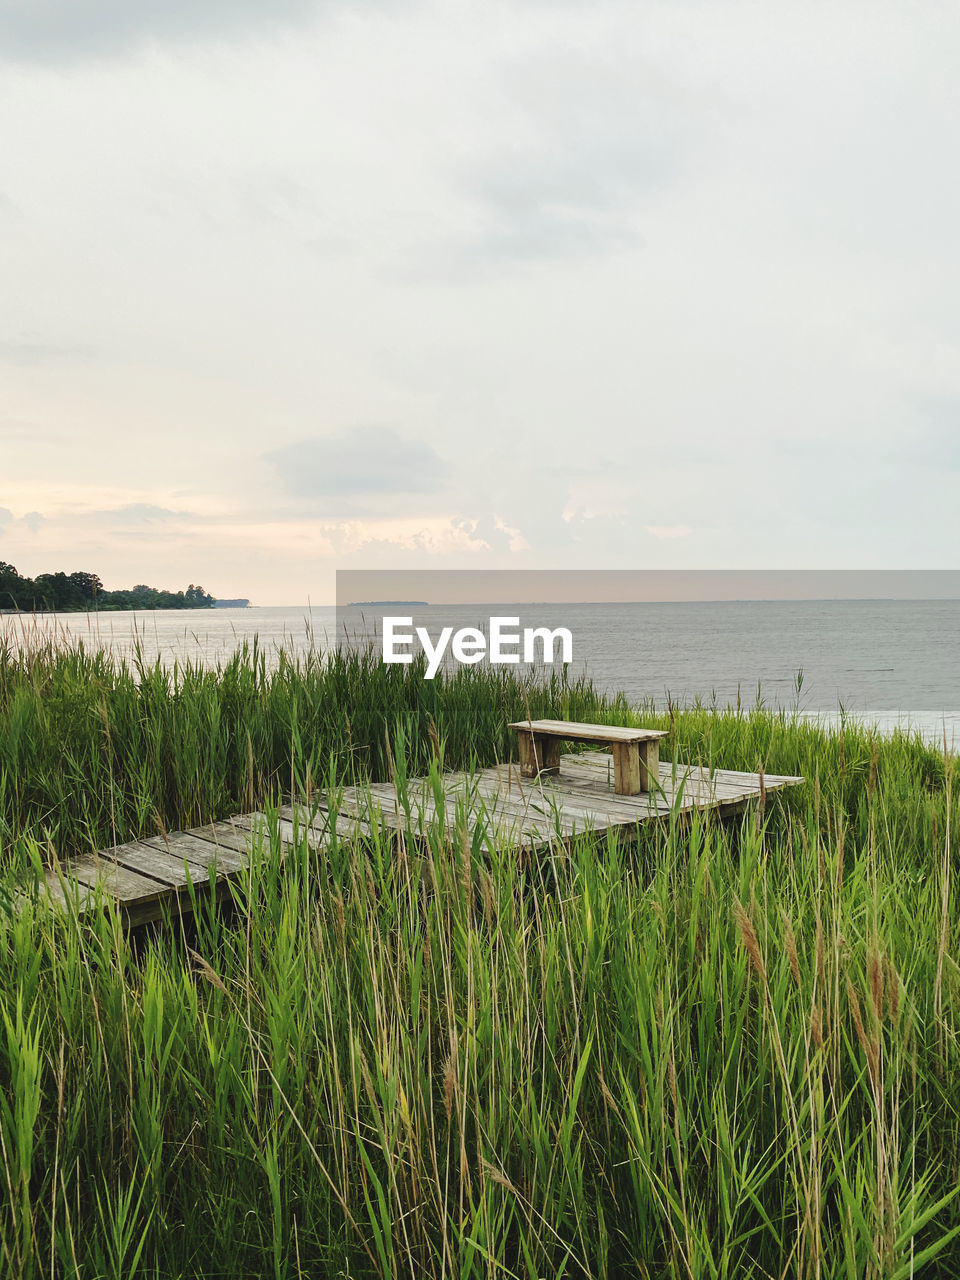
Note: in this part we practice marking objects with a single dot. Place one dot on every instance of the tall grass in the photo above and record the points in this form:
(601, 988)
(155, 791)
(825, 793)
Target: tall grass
(94, 751)
(727, 1051)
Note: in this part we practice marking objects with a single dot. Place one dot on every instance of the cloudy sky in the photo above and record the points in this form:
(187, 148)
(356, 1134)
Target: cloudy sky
(306, 286)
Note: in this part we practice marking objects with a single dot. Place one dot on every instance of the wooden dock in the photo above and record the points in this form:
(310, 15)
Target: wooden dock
(151, 876)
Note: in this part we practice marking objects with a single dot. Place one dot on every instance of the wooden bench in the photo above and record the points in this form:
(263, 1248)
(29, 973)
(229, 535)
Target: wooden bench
(636, 752)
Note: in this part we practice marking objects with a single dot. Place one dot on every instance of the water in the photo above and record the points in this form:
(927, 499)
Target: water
(889, 662)
(207, 636)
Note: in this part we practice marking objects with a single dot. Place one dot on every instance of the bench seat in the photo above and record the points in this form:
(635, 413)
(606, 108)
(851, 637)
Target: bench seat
(636, 752)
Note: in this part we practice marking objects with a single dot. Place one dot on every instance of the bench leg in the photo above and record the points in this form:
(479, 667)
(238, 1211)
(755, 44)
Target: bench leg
(528, 753)
(626, 768)
(537, 755)
(549, 750)
(650, 765)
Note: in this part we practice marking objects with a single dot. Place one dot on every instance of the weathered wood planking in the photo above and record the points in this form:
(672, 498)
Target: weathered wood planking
(582, 797)
(147, 877)
(144, 876)
(579, 731)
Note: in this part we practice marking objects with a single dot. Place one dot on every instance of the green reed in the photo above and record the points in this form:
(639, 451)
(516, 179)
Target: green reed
(94, 751)
(721, 1051)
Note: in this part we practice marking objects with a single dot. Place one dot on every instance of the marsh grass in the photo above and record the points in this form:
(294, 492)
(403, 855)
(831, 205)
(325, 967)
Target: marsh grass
(727, 1051)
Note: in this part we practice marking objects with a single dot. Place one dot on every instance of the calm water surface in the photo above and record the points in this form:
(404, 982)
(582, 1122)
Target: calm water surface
(891, 662)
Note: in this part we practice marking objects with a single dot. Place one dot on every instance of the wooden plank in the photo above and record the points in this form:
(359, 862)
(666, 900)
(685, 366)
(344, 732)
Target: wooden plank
(552, 805)
(118, 881)
(589, 785)
(319, 819)
(321, 822)
(576, 803)
(598, 759)
(260, 829)
(66, 891)
(594, 788)
(239, 834)
(206, 846)
(160, 865)
(506, 814)
(754, 778)
(598, 790)
(695, 791)
(578, 731)
(291, 832)
(502, 816)
(576, 767)
(540, 795)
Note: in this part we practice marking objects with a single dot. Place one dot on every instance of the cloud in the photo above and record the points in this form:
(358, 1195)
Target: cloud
(428, 535)
(549, 233)
(54, 30)
(556, 203)
(30, 351)
(604, 499)
(517, 542)
(435, 537)
(32, 520)
(362, 462)
(662, 531)
(590, 139)
(141, 513)
(934, 437)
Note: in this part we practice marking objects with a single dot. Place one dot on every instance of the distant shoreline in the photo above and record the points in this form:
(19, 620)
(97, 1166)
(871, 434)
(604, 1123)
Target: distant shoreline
(119, 608)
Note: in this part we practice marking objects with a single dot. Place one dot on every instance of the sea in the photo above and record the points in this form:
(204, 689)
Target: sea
(888, 663)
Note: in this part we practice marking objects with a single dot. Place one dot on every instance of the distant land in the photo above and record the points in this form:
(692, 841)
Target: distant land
(383, 603)
(82, 592)
(239, 603)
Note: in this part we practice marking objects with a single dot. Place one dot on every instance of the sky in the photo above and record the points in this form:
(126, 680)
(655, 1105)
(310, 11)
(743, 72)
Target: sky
(303, 287)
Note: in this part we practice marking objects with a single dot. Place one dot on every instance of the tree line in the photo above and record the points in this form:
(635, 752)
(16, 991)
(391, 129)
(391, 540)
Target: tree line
(77, 592)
